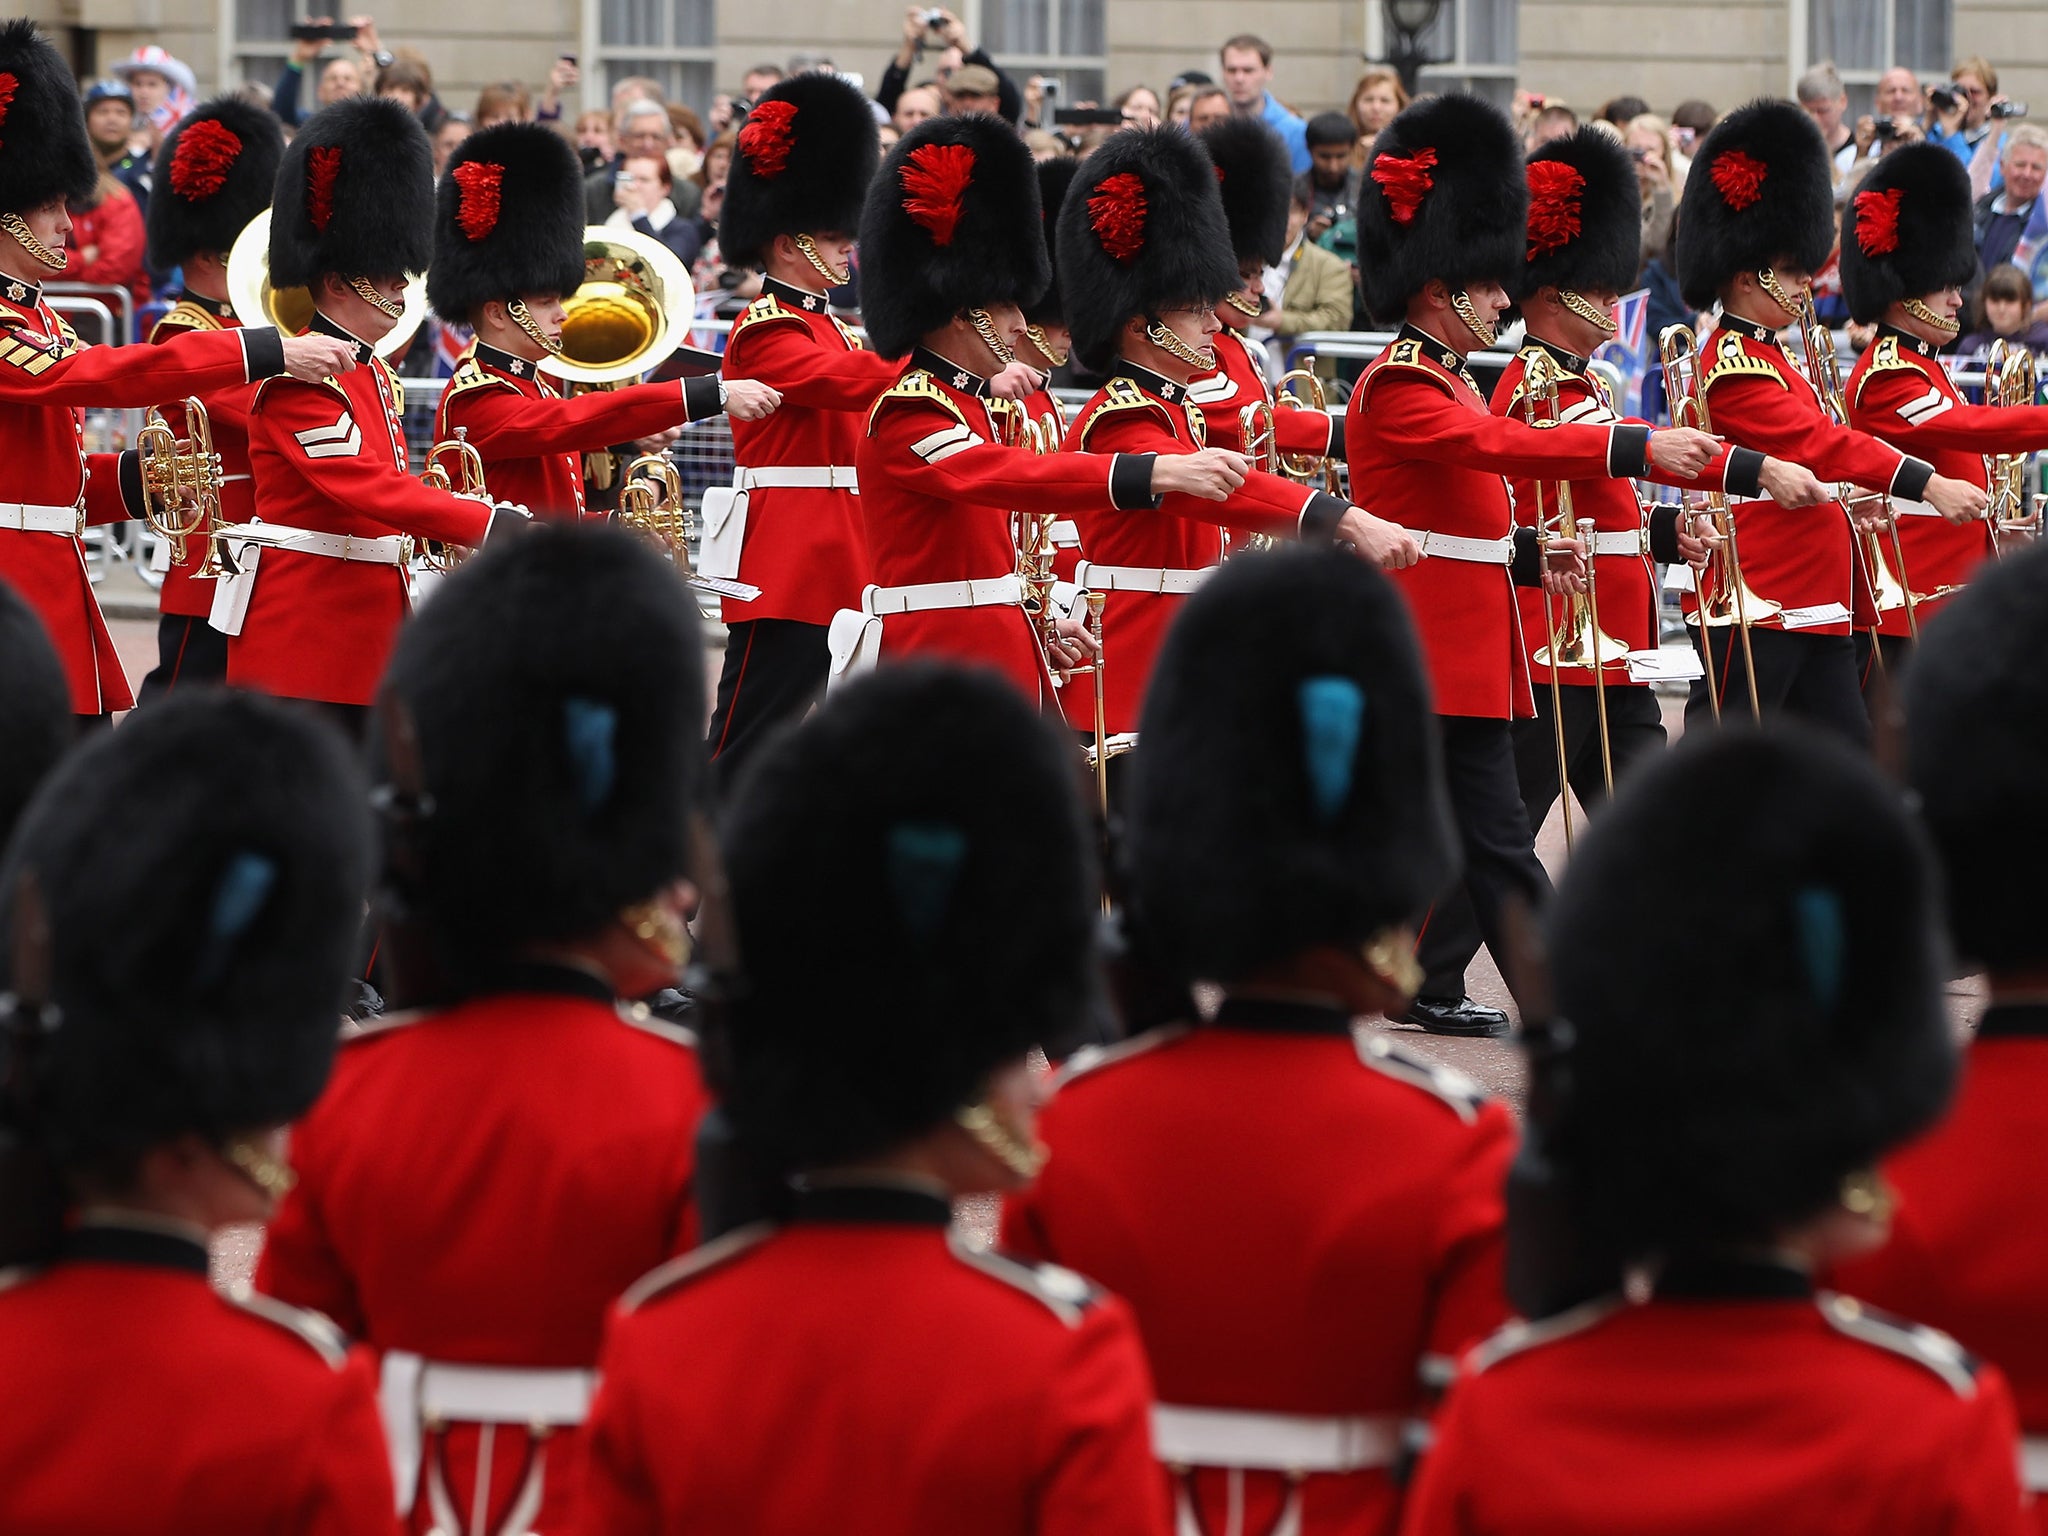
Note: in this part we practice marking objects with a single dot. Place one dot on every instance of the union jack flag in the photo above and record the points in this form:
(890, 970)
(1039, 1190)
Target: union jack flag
(1630, 350)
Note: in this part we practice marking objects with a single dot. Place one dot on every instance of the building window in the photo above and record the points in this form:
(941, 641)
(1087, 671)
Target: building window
(1061, 39)
(669, 41)
(1864, 38)
(1473, 46)
(263, 38)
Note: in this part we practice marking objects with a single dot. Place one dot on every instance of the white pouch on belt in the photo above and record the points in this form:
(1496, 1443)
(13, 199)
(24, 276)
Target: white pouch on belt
(855, 640)
(231, 594)
(724, 513)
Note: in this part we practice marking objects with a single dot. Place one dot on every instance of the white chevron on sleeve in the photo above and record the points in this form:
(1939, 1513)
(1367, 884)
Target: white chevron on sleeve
(1924, 408)
(342, 440)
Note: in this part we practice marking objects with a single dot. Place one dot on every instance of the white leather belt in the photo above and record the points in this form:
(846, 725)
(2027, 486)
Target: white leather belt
(780, 477)
(1273, 1442)
(2034, 1463)
(392, 549)
(1912, 508)
(26, 517)
(1136, 578)
(419, 1395)
(1441, 546)
(1066, 533)
(983, 592)
(1622, 542)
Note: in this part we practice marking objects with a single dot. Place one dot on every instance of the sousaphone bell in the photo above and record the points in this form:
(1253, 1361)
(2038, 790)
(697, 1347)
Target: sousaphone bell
(256, 302)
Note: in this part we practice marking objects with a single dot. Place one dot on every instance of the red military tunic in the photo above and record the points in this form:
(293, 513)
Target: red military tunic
(1136, 555)
(1735, 1401)
(185, 592)
(1625, 583)
(1211, 1177)
(1965, 1253)
(330, 459)
(861, 1370)
(476, 1188)
(1901, 392)
(1239, 381)
(532, 439)
(1799, 557)
(1427, 453)
(46, 378)
(803, 546)
(142, 1400)
(937, 492)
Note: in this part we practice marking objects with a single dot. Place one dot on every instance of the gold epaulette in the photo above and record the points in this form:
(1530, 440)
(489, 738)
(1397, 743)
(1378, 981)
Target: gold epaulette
(28, 354)
(471, 374)
(849, 335)
(1733, 360)
(185, 316)
(766, 307)
(263, 387)
(918, 384)
(1121, 395)
(1885, 357)
(1407, 355)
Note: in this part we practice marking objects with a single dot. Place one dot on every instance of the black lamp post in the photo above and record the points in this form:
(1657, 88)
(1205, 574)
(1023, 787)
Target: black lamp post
(1407, 20)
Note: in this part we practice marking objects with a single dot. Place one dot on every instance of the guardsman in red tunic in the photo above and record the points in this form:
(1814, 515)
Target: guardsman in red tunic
(1441, 226)
(951, 248)
(1907, 251)
(35, 706)
(324, 580)
(1255, 177)
(1288, 827)
(1702, 1150)
(791, 523)
(1146, 249)
(508, 250)
(485, 1175)
(47, 378)
(851, 1362)
(168, 997)
(1967, 1252)
(214, 173)
(1048, 344)
(1762, 224)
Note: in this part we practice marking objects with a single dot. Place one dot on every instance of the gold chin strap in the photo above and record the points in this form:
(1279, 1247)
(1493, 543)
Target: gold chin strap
(985, 328)
(1587, 310)
(1866, 1193)
(391, 309)
(837, 277)
(270, 1174)
(1779, 295)
(1461, 301)
(523, 318)
(1926, 316)
(1162, 336)
(661, 928)
(1000, 1142)
(1043, 342)
(16, 226)
(1242, 305)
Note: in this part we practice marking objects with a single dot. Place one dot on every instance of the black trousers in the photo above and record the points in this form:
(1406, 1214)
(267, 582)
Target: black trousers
(775, 670)
(1635, 730)
(1881, 670)
(1808, 677)
(1501, 867)
(189, 652)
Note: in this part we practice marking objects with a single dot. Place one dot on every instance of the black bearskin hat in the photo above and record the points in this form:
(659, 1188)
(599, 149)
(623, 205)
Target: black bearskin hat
(945, 798)
(200, 938)
(1442, 196)
(1055, 176)
(215, 172)
(35, 706)
(951, 223)
(508, 220)
(355, 195)
(1976, 750)
(44, 152)
(1760, 190)
(556, 689)
(1585, 217)
(803, 161)
(1907, 232)
(1731, 1045)
(1257, 180)
(1142, 231)
(1290, 793)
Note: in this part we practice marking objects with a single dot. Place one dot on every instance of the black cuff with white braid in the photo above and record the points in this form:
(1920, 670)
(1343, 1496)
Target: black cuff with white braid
(262, 352)
(1628, 451)
(1130, 482)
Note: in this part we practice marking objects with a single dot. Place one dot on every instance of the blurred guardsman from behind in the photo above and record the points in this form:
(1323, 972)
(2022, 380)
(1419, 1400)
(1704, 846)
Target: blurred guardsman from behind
(1966, 1252)
(859, 1365)
(214, 173)
(35, 707)
(540, 750)
(172, 975)
(1287, 829)
(1730, 1056)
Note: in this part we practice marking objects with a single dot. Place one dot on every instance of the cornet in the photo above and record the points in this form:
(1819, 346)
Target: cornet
(467, 480)
(2009, 379)
(181, 484)
(651, 503)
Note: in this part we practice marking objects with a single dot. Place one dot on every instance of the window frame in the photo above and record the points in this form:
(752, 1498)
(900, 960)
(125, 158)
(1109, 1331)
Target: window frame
(1021, 66)
(598, 56)
(1861, 83)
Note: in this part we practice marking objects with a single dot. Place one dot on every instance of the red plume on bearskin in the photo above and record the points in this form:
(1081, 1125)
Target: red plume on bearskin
(768, 138)
(1740, 178)
(477, 183)
(1877, 221)
(206, 152)
(8, 85)
(1116, 212)
(1912, 231)
(323, 167)
(1767, 199)
(935, 178)
(1554, 208)
(1406, 181)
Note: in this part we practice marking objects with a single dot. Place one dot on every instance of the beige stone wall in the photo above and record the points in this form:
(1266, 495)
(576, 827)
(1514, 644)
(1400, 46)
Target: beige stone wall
(2013, 35)
(1588, 51)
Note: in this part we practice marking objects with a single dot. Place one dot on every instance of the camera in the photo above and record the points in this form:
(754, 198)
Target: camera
(1946, 98)
(934, 19)
(2008, 109)
(1885, 128)
(1051, 89)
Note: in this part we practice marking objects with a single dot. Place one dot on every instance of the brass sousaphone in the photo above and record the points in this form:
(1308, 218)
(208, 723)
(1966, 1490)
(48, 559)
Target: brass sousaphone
(632, 312)
(291, 309)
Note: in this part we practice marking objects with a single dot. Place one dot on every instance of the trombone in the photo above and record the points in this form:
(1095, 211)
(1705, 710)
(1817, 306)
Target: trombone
(651, 503)
(1728, 599)
(181, 484)
(2009, 379)
(467, 479)
(1576, 640)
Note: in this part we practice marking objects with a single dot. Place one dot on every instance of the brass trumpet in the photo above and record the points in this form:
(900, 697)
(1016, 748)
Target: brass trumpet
(2009, 379)
(181, 483)
(466, 480)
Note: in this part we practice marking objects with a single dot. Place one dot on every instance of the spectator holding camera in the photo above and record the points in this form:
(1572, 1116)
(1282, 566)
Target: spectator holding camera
(643, 191)
(1331, 182)
(642, 131)
(337, 79)
(1648, 138)
(1961, 110)
(934, 29)
(1898, 117)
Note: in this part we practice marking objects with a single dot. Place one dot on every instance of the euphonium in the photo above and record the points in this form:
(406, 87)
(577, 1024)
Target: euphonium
(651, 503)
(181, 483)
(467, 480)
(2009, 379)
